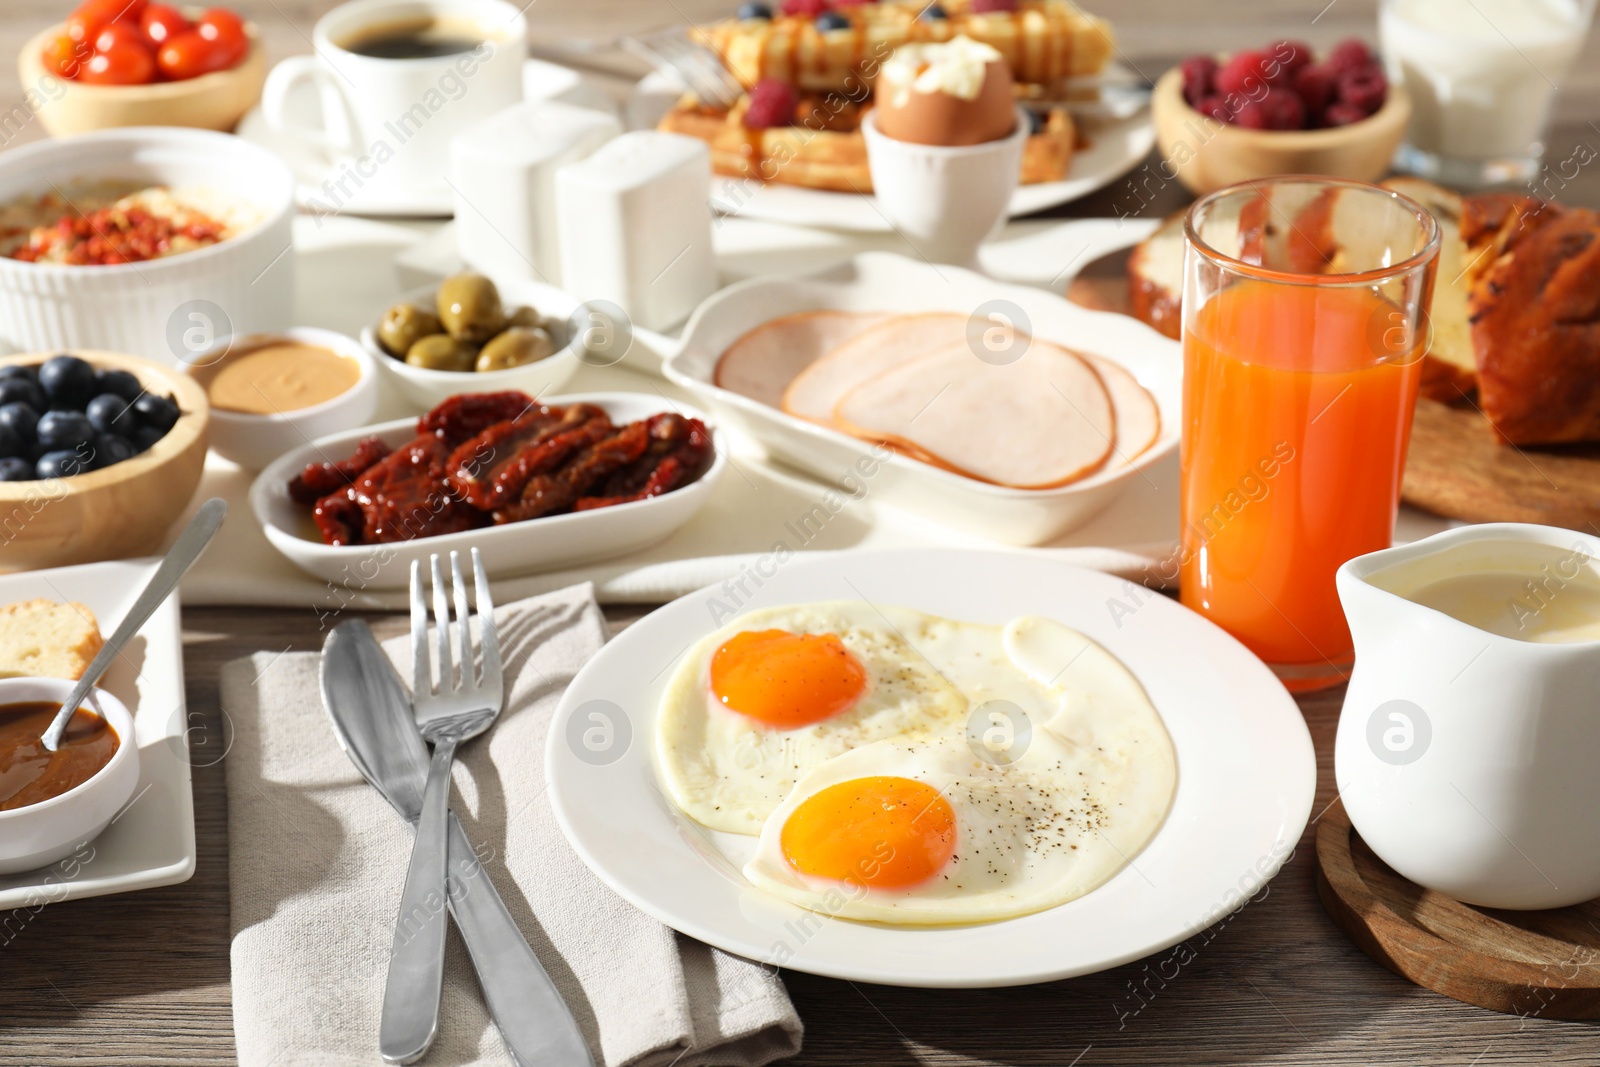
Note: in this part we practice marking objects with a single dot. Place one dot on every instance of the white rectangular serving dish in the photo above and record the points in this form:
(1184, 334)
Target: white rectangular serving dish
(881, 281)
(513, 549)
(151, 841)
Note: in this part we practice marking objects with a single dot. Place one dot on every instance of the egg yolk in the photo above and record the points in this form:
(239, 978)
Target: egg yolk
(786, 680)
(885, 832)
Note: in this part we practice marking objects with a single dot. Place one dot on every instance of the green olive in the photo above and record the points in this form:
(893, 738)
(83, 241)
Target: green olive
(403, 326)
(515, 347)
(440, 351)
(469, 307)
(526, 317)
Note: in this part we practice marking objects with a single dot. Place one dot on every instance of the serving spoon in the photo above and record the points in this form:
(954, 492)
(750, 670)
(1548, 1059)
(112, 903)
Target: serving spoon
(179, 559)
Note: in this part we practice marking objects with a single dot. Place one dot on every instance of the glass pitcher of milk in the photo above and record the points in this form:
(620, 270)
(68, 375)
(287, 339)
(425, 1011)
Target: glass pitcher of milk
(1482, 77)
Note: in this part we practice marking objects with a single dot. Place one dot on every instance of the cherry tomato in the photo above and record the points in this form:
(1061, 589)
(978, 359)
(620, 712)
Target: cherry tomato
(161, 23)
(126, 62)
(115, 34)
(225, 31)
(94, 15)
(64, 57)
(189, 55)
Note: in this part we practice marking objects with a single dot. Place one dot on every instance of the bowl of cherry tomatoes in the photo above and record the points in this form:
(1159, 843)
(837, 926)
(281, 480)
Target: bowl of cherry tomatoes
(139, 63)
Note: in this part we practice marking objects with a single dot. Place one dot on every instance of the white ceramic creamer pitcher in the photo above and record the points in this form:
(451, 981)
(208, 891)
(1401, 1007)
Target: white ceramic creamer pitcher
(1468, 751)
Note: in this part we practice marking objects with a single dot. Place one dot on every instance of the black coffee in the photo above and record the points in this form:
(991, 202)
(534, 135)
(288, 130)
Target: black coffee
(414, 39)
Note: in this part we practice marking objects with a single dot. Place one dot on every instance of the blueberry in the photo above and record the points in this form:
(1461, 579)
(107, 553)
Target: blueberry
(118, 383)
(1035, 121)
(15, 470)
(17, 370)
(21, 419)
(829, 21)
(22, 391)
(755, 11)
(112, 448)
(12, 444)
(60, 464)
(110, 413)
(157, 412)
(68, 382)
(64, 429)
(933, 13)
(144, 437)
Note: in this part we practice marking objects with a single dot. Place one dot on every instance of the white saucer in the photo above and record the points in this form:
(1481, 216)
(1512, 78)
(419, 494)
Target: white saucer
(312, 167)
(1116, 148)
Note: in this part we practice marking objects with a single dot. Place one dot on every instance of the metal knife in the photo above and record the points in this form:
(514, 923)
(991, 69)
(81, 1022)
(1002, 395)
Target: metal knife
(372, 719)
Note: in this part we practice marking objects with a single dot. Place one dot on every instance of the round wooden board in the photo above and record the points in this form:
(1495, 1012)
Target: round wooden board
(1540, 963)
(1456, 468)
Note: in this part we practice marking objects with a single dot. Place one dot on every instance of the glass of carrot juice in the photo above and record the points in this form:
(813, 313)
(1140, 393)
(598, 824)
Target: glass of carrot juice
(1304, 325)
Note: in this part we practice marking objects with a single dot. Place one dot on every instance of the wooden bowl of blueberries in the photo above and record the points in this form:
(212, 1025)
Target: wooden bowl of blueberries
(99, 456)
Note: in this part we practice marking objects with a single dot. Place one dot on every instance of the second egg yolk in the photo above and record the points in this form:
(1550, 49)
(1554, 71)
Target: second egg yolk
(786, 680)
(886, 832)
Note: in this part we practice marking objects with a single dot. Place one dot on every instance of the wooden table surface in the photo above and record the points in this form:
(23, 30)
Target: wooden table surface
(143, 978)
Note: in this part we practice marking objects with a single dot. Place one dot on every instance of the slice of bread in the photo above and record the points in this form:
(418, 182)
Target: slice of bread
(1450, 369)
(1155, 277)
(46, 639)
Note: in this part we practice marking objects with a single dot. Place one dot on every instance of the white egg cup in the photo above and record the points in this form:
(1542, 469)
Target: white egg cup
(945, 200)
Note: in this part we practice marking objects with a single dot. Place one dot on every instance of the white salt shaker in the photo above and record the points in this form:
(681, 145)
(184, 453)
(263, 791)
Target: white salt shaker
(503, 171)
(635, 221)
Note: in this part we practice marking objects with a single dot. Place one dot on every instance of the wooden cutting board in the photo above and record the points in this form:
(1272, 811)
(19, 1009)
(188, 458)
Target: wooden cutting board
(1455, 467)
(1540, 963)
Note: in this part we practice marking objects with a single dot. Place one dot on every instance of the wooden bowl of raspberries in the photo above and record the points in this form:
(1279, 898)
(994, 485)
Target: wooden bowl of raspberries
(1278, 110)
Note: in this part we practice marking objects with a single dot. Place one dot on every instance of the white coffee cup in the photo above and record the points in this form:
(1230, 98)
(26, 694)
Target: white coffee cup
(945, 200)
(386, 124)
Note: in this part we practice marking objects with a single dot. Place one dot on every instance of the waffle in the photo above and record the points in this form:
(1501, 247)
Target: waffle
(831, 152)
(1043, 41)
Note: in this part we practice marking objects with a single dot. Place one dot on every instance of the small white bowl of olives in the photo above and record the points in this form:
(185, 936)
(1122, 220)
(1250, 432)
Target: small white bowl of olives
(468, 334)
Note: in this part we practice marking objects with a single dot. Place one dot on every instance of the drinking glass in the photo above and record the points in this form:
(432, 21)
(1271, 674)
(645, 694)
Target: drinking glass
(1304, 326)
(1482, 77)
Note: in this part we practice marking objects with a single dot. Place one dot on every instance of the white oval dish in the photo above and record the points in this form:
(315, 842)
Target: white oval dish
(423, 388)
(515, 548)
(153, 309)
(881, 281)
(1247, 776)
(40, 834)
(253, 441)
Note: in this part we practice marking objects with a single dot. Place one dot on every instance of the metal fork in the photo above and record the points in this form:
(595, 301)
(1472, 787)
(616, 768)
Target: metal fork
(702, 70)
(461, 709)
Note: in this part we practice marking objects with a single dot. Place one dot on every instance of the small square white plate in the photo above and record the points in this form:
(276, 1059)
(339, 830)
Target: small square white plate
(151, 841)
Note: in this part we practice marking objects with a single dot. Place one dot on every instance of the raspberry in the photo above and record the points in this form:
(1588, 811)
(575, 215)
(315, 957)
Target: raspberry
(1342, 114)
(1244, 74)
(1213, 107)
(1349, 54)
(980, 7)
(809, 9)
(772, 103)
(1365, 88)
(1316, 85)
(1199, 77)
(1284, 109)
(1291, 57)
(1253, 115)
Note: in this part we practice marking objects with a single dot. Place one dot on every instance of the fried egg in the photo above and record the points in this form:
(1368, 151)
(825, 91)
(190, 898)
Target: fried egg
(934, 830)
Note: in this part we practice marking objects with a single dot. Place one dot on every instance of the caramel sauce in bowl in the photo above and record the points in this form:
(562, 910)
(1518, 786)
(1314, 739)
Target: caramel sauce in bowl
(272, 392)
(50, 803)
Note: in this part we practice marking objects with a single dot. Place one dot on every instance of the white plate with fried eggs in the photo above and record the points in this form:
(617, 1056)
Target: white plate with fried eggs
(943, 768)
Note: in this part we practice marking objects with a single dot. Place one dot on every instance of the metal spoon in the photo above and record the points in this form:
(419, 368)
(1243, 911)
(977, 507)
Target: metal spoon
(184, 552)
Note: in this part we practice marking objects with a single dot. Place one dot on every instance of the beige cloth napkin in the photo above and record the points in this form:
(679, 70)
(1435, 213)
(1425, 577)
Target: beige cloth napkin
(317, 859)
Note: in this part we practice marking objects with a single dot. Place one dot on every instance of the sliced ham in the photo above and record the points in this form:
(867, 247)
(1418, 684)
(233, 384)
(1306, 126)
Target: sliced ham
(817, 390)
(766, 359)
(1138, 414)
(1042, 421)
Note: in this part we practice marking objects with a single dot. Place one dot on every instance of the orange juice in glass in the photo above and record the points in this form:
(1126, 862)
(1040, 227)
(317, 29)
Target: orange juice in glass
(1304, 326)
